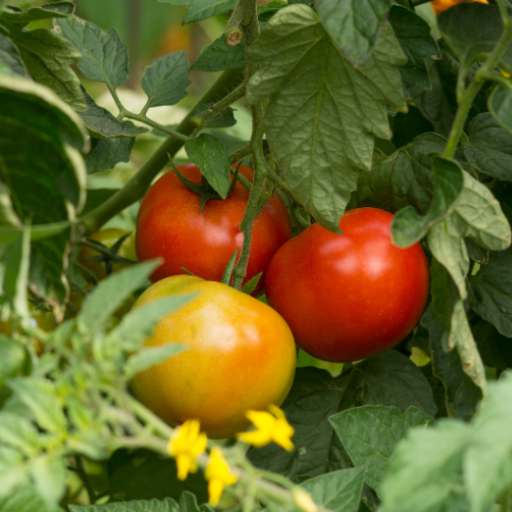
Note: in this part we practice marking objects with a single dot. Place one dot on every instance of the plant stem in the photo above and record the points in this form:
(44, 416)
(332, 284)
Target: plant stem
(279, 182)
(146, 120)
(240, 153)
(503, 12)
(505, 501)
(85, 479)
(201, 119)
(471, 92)
(260, 173)
(138, 184)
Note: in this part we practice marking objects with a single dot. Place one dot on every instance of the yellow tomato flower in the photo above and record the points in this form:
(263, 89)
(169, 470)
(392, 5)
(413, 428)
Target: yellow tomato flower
(186, 444)
(218, 475)
(270, 426)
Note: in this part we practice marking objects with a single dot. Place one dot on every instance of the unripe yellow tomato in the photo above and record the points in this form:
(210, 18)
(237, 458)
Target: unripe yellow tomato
(107, 237)
(442, 5)
(241, 356)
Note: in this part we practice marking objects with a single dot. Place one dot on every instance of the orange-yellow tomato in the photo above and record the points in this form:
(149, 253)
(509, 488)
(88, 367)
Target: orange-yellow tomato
(442, 5)
(241, 356)
(108, 237)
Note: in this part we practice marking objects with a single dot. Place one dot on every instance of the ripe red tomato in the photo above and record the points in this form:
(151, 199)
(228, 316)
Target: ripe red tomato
(170, 225)
(348, 297)
(240, 357)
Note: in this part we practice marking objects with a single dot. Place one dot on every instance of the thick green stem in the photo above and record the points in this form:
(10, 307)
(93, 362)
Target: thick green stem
(503, 12)
(471, 92)
(137, 186)
(505, 501)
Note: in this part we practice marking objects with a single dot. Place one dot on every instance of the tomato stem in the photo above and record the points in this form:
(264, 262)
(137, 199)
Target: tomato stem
(138, 184)
(165, 129)
(469, 95)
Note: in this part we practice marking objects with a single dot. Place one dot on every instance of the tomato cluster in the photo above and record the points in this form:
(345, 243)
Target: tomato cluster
(340, 297)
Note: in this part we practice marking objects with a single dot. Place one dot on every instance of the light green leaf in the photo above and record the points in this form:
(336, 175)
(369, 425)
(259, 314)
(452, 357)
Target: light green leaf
(436, 485)
(408, 226)
(166, 505)
(17, 261)
(49, 475)
(212, 157)
(203, 9)
(19, 433)
(150, 356)
(14, 16)
(102, 124)
(10, 55)
(447, 326)
(12, 472)
(475, 214)
(490, 294)
(165, 81)
(413, 33)
(105, 154)
(500, 105)
(188, 503)
(104, 56)
(320, 140)
(139, 323)
(354, 25)
(488, 461)
(110, 294)
(370, 434)
(40, 396)
(490, 147)
(12, 355)
(218, 56)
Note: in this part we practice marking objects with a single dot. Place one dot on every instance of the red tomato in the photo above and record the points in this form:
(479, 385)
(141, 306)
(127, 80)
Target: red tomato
(348, 297)
(171, 226)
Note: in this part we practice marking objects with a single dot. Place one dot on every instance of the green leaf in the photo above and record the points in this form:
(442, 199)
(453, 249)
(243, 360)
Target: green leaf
(40, 153)
(165, 81)
(490, 294)
(408, 226)
(203, 9)
(188, 503)
(404, 178)
(102, 124)
(413, 34)
(224, 119)
(488, 461)
(495, 349)
(437, 482)
(138, 324)
(354, 26)
(14, 16)
(447, 326)
(105, 154)
(500, 105)
(369, 434)
(110, 294)
(387, 379)
(320, 140)
(475, 214)
(19, 433)
(104, 56)
(144, 474)
(219, 56)
(212, 157)
(48, 58)
(472, 31)
(175, 2)
(166, 505)
(49, 475)
(490, 147)
(148, 357)
(12, 355)
(17, 260)
(10, 55)
(40, 396)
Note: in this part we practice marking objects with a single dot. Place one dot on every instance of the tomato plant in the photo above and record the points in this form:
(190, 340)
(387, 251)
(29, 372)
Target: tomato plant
(172, 226)
(389, 120)
(239, 356)
(351, 296)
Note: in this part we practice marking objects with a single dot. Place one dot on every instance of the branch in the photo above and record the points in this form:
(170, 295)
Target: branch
(139, 183)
